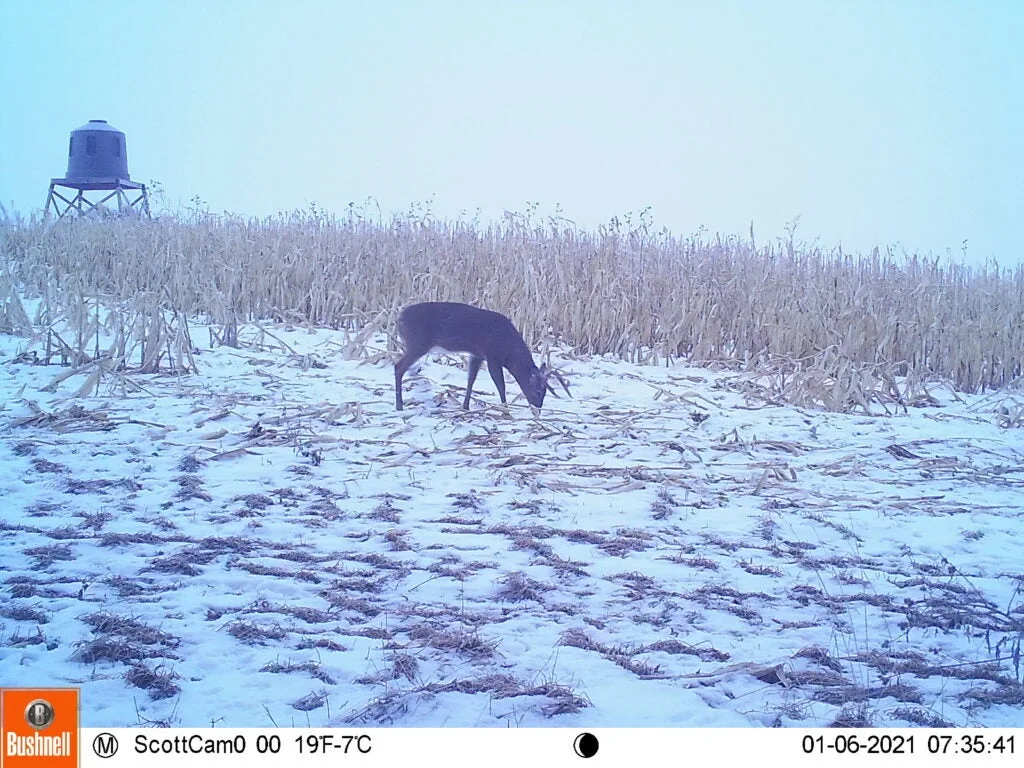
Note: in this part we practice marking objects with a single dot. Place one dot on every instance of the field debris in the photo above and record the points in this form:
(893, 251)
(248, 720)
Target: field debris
(430, 566)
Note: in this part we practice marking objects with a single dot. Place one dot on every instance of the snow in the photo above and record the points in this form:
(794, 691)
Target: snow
(270, 542)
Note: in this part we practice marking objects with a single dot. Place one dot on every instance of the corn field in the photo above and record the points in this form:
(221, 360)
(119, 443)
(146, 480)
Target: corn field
(627, 290)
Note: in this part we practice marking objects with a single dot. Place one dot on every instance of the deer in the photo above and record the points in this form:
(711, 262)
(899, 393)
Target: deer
(485, 335)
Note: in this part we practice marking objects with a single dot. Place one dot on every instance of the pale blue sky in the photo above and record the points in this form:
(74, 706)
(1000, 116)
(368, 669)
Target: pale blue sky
(875, 122)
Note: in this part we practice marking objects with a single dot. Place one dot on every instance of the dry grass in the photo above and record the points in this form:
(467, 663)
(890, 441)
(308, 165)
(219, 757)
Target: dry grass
(159, 681)
(822, 328)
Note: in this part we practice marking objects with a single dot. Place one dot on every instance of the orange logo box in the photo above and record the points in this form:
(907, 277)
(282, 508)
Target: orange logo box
(39, 727)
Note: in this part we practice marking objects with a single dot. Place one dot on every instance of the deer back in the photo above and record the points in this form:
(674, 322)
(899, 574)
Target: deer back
(462, 328)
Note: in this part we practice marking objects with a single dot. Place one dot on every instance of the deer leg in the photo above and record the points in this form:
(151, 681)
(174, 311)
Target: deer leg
(474, 369)
(401, 367)
(498, 376)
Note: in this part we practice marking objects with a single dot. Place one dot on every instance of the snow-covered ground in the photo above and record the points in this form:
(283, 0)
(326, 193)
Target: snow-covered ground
(270, 542)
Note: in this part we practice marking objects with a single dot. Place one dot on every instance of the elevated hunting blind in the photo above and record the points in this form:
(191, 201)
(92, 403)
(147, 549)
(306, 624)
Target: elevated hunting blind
(97, 163)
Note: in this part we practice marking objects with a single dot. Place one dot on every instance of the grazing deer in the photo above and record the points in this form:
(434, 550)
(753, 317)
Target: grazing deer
(485, 335)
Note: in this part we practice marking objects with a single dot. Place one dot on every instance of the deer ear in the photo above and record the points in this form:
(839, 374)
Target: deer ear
(542, 375)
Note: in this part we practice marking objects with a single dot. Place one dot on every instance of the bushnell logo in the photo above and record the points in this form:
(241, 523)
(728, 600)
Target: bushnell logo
(39, 727)
(39, 714)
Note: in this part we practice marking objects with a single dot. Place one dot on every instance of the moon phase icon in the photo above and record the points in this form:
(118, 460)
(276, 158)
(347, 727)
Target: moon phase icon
(585, 745)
